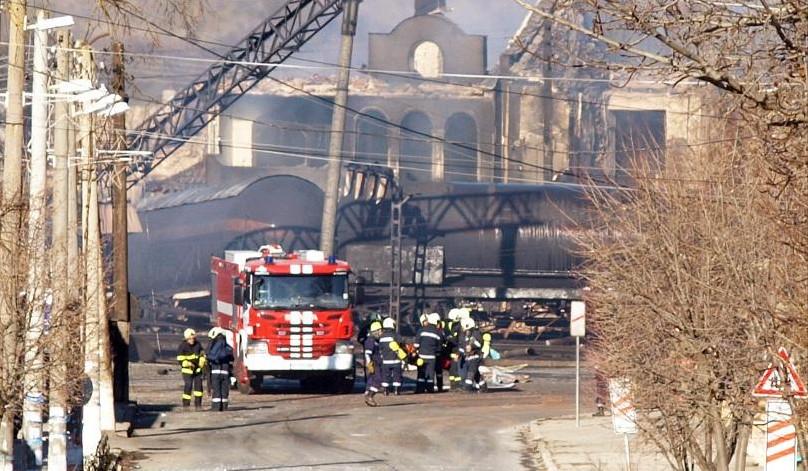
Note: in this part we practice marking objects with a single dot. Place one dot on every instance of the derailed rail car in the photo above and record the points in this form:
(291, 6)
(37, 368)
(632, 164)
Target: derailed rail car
(500, 246)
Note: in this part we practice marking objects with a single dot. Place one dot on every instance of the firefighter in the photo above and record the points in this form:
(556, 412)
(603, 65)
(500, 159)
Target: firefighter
(442, 356)
(220, 359)
(393, 353)
(429, 343)
(373, 362)
(474, 347)
(452, 334)
(192, 361)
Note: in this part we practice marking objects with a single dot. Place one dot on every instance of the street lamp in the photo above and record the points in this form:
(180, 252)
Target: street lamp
(51, 23)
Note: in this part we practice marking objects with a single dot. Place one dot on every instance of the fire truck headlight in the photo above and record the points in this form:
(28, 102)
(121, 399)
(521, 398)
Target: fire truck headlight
(257, 348)
(344, 347)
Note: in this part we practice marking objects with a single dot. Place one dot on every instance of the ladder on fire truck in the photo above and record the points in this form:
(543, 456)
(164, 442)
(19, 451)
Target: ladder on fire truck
(238, 71)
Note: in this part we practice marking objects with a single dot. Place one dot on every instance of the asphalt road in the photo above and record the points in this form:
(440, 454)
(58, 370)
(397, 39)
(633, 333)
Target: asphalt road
(286, 429)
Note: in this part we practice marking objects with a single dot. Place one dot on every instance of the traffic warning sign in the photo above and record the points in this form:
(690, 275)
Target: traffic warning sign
(776, 379)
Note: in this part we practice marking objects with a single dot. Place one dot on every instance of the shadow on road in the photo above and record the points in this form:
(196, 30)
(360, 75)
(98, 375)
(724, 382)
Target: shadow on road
(313, 465)
(234, 426)
(148, 414)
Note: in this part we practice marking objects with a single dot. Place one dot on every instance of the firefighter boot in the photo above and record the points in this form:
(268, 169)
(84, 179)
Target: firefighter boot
(369, 399)
(396, 390)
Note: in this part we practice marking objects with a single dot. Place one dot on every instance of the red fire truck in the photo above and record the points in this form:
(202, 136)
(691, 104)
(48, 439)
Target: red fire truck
(290, 315)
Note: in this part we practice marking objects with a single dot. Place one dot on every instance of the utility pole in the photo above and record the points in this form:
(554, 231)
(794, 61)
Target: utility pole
(120, 248)
(91, 417)
(10, 222)
(34, 381)
(57, 416)
(328, 228)
(74, 277)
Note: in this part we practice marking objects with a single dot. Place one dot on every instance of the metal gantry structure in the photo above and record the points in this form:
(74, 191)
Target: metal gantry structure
(238, 71)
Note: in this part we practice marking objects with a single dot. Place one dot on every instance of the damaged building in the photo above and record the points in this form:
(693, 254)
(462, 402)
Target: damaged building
(428, 105)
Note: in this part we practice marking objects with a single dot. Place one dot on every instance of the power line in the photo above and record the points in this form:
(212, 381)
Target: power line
(195, 42)
(348, 157)
(400, 74)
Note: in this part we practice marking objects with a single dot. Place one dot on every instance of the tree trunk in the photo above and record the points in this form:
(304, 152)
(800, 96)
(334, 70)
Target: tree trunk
(721, 462)
(744, 431)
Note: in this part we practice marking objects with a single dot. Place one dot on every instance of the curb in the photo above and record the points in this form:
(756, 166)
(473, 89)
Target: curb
(541, 446)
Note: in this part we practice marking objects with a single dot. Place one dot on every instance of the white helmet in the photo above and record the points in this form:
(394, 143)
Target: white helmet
(465, 313)
(423, 317)
(467, 323)
(214, 332)
(389, 323)
(454, 314)
(433, 318)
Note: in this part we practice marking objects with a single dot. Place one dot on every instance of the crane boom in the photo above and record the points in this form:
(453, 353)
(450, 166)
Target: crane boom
(213, 91)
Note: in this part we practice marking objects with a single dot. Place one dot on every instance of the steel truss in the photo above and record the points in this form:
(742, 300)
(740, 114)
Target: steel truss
(192, 108)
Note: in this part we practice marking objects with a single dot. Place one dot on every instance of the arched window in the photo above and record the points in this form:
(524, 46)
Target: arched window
(281, 146)
(415, 160)
(371, 138)
(459, 151)
(427, 59)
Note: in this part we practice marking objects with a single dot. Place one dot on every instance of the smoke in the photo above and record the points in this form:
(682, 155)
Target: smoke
(225, 22)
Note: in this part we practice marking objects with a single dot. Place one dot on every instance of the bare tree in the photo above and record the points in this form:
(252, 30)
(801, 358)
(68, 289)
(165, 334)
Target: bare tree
(752, 51)
(703, 268)
(691, 291)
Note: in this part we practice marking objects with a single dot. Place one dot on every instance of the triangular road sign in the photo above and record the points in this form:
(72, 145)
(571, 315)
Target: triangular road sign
(771, 384)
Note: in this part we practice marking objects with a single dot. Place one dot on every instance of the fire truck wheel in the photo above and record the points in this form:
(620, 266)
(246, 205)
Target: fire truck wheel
(345, 384)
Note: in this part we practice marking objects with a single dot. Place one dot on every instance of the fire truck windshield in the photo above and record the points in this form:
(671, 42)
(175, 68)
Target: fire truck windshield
(300, 292)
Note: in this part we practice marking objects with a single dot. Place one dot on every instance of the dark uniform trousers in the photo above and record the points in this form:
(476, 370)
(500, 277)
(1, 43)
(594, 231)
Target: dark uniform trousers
(372, 356)
(391, 374)
(472, 379)
(220, 386)
(192, 388)
(426, 375)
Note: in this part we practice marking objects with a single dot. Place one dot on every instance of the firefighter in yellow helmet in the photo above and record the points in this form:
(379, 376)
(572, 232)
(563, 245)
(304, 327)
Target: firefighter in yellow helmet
(192, 360)
(393, 353)
(373, 362)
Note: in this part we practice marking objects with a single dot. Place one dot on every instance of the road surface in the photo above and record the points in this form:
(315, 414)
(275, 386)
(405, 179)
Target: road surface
(286, 429)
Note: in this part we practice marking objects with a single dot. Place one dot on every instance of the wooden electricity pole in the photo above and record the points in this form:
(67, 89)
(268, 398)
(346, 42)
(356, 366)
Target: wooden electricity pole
(119, 327)
(91, 416)
(57, 414)
(11, 215)
(34, 380)
(331, 201)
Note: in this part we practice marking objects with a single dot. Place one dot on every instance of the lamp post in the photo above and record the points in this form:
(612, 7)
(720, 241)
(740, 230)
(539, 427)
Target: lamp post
(33, 382)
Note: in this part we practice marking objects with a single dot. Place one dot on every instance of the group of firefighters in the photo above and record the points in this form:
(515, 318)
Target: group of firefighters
(193, 359)
(454, 344)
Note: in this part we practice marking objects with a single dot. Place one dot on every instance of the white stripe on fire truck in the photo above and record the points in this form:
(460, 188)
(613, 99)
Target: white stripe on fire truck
(308, 317)
(224, 308)
(294, 269)
(308, 269)
(295, 317)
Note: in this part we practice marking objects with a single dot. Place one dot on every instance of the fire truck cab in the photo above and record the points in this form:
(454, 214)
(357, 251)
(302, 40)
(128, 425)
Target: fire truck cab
(290, 314)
